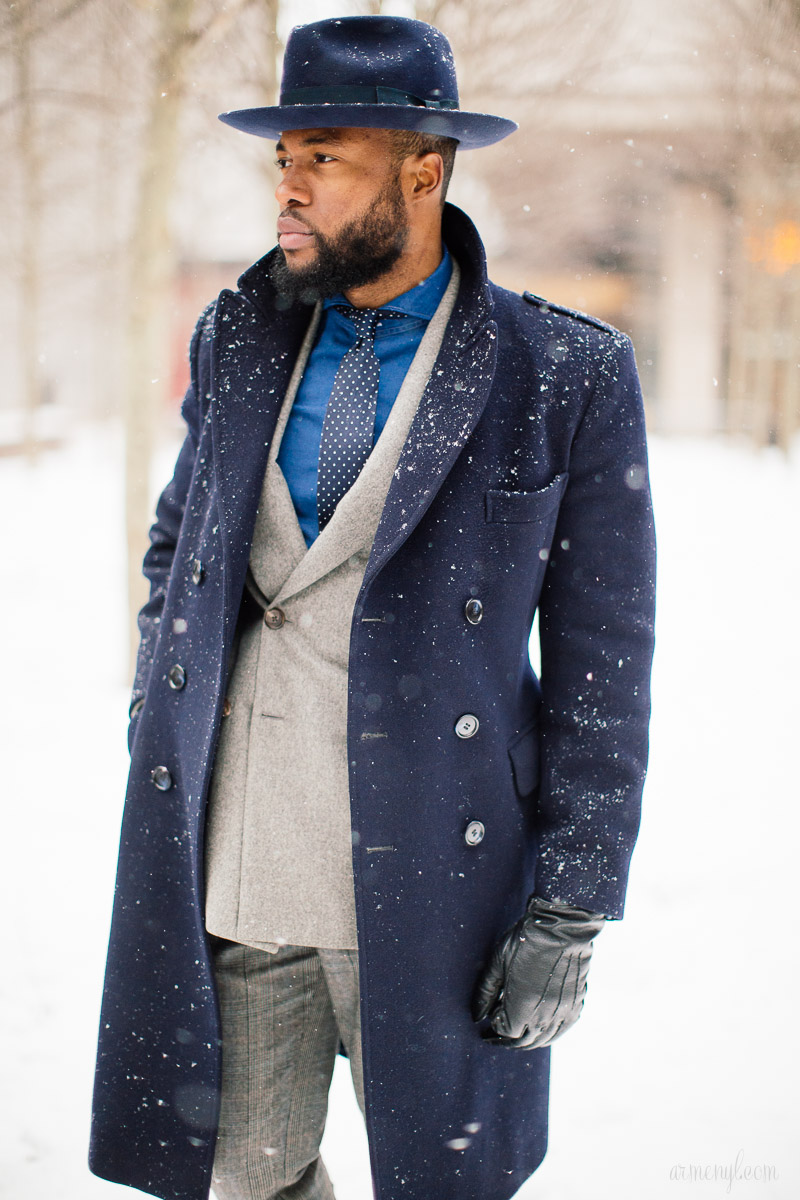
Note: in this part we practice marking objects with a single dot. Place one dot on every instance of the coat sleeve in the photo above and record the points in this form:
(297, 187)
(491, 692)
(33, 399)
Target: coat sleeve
(157, 563)
(597, 632)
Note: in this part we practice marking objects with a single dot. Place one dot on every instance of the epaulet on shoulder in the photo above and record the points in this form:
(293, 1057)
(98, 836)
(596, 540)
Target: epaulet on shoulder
(204, 327)
(206, 322)
(548, 306)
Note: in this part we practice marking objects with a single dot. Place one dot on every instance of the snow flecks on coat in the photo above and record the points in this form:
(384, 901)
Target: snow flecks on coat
(518, 496)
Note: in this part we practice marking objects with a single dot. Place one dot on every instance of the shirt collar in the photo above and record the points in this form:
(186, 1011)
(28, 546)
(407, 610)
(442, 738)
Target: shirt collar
(420, 301)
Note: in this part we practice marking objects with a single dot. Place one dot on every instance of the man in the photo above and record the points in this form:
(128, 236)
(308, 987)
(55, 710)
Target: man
(356, 819)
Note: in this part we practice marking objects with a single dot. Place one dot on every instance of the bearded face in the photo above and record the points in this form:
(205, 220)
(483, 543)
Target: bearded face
(361, 250)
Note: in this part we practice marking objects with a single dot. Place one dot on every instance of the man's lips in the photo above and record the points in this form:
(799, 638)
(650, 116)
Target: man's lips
(293, 235)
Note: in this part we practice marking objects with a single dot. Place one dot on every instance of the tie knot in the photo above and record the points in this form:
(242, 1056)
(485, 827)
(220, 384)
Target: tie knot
(366, 320)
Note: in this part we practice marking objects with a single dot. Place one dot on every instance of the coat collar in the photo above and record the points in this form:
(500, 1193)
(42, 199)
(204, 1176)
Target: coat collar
(255, 346)
(453, 401)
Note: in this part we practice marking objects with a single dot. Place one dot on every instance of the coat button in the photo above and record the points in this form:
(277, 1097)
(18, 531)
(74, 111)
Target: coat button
(467, 726)
(198, 572)
(227, 707)
(474, 832)
(162, 779)
(473, 611)
(274, 618)
(176, 677)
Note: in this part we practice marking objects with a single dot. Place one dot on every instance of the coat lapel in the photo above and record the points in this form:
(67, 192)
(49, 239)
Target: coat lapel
(252, 367)
(452, 402)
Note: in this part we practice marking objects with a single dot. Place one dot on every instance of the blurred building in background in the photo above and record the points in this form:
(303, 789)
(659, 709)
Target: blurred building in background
(653, 182)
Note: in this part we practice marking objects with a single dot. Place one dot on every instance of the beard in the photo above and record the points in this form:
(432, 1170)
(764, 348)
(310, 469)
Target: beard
(363, 250)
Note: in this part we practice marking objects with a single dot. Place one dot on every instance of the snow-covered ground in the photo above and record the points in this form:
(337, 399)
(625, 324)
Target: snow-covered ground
(686, 1053)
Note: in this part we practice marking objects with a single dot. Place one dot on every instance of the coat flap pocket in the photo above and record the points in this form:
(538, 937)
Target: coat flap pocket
(523, 750)
(525, 506)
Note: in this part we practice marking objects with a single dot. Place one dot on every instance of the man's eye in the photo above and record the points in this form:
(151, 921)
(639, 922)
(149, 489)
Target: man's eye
(324, 158)
(281, 162)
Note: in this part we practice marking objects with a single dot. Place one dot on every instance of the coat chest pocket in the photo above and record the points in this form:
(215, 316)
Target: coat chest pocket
(523, 750)
(522, 507)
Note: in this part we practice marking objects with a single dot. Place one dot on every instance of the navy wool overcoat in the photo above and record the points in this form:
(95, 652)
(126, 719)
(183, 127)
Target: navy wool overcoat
(523, 484)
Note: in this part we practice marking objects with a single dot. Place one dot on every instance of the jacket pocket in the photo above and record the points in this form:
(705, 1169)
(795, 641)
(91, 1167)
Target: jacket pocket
(517, 507)
(523, 750)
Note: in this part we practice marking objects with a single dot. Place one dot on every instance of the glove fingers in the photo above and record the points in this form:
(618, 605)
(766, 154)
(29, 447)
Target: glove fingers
(501, 1022)
(533, 988)
(526, 1041)
(513, 1020)
(532, 1026)
(526, 1018)
(489, 985)
(569, 1005)
(530, 1039)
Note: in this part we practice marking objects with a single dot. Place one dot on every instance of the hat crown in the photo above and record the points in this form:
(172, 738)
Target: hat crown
(379, 51)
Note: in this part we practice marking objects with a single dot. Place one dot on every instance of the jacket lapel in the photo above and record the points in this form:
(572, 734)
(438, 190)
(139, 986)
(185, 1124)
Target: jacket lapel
(278, 542)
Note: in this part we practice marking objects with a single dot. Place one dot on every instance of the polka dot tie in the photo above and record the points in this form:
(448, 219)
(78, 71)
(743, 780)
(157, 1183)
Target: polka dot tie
(348, 430)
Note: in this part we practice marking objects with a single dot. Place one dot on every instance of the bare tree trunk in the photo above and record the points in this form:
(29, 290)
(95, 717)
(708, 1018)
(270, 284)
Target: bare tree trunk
(30, 224)
(269, 88)
(271, 13)
(792, 384)
(428, 10)
(150, 272)
(152, 268)
(106, 325)
(759, 42)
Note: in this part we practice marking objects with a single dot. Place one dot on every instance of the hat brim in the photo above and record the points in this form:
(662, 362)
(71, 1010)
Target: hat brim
(472, 130)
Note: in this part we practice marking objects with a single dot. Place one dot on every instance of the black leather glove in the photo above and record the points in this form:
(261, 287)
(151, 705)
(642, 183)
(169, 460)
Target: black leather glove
(532, 991)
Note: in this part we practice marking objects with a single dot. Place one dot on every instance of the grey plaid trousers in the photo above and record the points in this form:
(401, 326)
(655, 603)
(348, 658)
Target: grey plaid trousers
(283, 1016)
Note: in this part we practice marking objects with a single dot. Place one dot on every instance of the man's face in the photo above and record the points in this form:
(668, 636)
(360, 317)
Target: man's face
(343, 221)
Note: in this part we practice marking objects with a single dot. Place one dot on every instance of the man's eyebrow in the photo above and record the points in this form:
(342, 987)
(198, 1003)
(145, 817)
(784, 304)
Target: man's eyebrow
(331, 137)
(317, 139)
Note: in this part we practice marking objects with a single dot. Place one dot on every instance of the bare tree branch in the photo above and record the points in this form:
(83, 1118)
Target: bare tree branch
(27, 25)
(219, 24)
(93, 101)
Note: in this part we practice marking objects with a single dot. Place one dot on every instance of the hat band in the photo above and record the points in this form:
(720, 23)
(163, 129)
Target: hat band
(358, 94)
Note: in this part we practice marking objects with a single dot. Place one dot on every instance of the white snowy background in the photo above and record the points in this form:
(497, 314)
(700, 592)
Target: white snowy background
(687, 1050)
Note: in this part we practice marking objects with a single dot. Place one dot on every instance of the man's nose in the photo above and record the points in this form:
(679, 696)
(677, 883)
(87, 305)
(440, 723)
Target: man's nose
(292, 188)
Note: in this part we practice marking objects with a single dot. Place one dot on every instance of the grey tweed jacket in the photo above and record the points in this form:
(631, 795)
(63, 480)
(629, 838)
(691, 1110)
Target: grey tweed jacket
(278, 835)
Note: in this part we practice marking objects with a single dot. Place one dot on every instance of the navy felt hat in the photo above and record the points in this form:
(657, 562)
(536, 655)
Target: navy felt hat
(370, 72)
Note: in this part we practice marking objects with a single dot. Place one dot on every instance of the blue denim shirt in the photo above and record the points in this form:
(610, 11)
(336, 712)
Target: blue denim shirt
(396, 344)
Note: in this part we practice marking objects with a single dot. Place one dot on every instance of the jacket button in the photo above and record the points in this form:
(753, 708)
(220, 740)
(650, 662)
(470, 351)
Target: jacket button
(227, 707)
(474, 832)
(162, 779)
(473, 611)
(198, 572)
(274, 618)
(467, 726)
(176, 677)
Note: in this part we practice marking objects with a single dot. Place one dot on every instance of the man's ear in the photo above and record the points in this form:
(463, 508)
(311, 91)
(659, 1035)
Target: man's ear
(428, 172)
